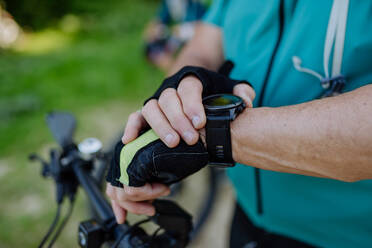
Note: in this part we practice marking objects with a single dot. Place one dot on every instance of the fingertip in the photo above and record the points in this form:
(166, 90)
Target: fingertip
(120, 213)
(125, 140)
(128, 137)
(247, 101)
(244, 95)
(195, 113)
(159, 186)
(245, 89)
(171, 140)
(134, 124)
(251, 93)
(198, 121)
(166, 192)
(151, 211)
(191, 137)
(160, 189)
(148, 209)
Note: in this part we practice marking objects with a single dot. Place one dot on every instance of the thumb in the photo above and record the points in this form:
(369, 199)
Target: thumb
(246, 92)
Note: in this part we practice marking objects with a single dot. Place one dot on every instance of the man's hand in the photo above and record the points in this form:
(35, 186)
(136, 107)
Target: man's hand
(205, 49)
(135, 199)
(175, 113)
(178, 113)
(148, 160)
(143, 166)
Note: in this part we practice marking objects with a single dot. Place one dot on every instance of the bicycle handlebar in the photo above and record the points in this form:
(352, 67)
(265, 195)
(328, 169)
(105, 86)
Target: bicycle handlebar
(102, 207)
(69, 170)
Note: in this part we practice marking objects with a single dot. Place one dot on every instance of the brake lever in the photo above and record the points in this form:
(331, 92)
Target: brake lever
(45, 168)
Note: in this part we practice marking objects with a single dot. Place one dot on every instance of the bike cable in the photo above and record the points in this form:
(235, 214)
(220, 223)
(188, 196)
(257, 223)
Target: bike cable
(62, 225)
(153, 236)
(117, 242)
(52, 226)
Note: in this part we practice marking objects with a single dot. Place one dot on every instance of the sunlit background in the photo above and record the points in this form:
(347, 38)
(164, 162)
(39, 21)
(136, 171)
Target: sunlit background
(84, 56)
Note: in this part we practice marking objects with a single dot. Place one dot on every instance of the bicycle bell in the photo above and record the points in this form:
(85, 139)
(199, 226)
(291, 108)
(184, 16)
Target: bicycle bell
(90, 147)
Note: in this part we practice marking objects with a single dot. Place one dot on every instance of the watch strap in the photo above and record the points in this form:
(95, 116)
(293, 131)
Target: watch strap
(218, 139)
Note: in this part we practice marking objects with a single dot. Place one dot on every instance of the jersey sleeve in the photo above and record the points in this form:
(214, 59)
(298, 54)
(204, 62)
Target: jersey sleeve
(215, 13)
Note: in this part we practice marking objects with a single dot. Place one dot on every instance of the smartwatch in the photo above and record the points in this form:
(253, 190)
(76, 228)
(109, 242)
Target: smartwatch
(220, 110)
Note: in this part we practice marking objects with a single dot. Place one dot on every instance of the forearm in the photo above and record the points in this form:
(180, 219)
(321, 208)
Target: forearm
(331, 137)
(204, 50)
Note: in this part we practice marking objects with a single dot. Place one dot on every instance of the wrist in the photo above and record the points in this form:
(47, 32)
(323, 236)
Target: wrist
(237, 135)
(234, 139)
(248, 131)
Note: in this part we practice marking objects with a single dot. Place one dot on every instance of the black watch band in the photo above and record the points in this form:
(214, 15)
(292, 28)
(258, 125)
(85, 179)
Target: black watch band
(218, 139)
(220, 110)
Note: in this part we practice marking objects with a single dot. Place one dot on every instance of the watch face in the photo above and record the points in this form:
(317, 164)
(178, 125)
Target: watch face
(222, 101)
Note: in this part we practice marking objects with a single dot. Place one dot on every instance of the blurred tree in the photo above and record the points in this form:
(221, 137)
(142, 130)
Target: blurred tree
(37, 14)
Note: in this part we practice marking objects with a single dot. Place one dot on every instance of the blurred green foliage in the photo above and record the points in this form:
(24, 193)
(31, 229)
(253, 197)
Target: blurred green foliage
(103, 62)
(38, 14)
(97, 60)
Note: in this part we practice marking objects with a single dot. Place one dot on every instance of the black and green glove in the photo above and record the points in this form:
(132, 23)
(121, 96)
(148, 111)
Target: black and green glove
(147, 160)
(212, 82)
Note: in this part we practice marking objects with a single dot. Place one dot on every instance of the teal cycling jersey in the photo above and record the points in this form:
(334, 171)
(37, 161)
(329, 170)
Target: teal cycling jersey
(262, 37)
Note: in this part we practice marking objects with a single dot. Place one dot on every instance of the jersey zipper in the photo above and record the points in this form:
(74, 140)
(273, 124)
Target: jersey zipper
(257, 175)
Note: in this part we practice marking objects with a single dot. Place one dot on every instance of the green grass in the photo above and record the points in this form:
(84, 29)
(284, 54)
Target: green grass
(97, 72)
(103, 62)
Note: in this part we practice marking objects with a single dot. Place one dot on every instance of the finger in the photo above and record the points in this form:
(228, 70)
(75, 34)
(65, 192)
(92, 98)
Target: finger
(120, 213)
(246, 92)
(135, 123)
(145, 208)
(146, 192)
(160, 124)
(110, 191)
(171, 106)
(190, 92)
